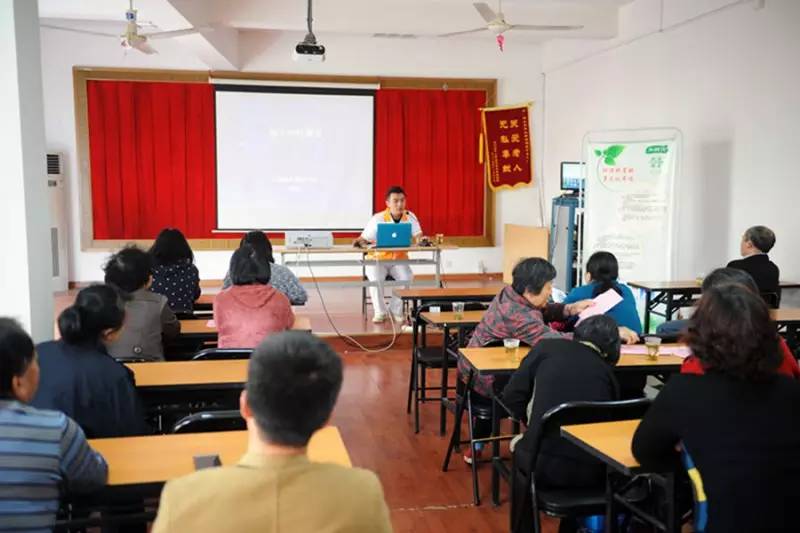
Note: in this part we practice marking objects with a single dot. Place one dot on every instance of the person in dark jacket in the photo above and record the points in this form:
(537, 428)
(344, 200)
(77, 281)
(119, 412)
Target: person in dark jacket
(756, 244)
(735, 425)
(77, 375)
(174, 273)
(559, 371)
(149, 322)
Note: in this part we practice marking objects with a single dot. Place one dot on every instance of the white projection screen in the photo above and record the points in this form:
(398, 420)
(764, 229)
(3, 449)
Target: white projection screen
(294, 158)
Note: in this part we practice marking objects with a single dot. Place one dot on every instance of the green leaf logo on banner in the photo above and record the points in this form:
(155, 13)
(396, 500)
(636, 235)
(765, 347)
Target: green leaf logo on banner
(610, 154)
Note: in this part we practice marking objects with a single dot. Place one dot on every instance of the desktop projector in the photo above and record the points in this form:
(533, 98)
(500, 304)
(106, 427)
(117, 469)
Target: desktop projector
(309, 52)
(309, 239)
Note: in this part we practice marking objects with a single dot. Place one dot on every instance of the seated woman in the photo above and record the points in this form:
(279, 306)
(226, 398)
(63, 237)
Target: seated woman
(602, 272)
(77, 375)
(560, 370)
(737, 423)
(251, 309)
(280, 277)
(174, 273)
(149, 322)
(522, 311)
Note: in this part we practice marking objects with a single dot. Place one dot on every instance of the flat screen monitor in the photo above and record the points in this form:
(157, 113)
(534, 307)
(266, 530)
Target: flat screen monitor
(572, 176)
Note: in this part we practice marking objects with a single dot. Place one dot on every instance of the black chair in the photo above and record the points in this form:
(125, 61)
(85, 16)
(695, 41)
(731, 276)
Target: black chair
(569, 503)
(424, 358)
(772, 299)
(216, 354)
(210, 421)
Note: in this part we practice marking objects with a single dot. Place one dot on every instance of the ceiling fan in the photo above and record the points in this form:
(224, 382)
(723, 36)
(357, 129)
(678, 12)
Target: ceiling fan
(496, 23)
(132, 38)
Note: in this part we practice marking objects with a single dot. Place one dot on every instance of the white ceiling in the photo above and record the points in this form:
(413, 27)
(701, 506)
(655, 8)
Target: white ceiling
(355, 17)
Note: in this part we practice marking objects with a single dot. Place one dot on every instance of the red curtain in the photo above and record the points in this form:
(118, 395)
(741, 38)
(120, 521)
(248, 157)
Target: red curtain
(427, 142)
(152, 156)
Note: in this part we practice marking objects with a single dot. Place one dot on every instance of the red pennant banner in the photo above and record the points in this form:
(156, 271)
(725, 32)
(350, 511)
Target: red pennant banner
(507, 145)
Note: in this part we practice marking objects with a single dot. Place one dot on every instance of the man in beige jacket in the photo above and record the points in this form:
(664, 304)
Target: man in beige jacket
(292, 385)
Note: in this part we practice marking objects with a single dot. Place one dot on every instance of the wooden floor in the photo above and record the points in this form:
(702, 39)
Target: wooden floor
(380, 436)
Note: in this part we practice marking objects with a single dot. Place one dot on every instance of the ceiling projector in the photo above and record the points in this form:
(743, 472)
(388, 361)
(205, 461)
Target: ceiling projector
(308, 51)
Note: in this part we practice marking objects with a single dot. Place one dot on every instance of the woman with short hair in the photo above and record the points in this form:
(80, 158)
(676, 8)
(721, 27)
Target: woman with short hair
(250, 309)
(174, 273)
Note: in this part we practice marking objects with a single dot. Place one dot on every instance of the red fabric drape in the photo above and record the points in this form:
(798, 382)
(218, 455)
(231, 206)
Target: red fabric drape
(152, 156)
(427, 142)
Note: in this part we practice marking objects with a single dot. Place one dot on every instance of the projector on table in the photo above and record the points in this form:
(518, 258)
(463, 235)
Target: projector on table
(309, 239)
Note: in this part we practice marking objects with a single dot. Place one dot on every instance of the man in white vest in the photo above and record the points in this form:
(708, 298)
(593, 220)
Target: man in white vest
(395, 212)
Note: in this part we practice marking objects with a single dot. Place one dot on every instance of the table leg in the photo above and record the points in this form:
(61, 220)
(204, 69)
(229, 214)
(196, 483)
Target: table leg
(495, 455)
(673, 517)
(647, 300)
(456, 436)
(670, 307)
(445, 373)
(438, 258)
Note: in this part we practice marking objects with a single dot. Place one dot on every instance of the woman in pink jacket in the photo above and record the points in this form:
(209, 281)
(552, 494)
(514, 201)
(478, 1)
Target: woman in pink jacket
(251, 309)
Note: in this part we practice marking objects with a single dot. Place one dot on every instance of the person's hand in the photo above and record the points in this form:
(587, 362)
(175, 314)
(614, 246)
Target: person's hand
(628, 336)
(577, 307)
(360, 243)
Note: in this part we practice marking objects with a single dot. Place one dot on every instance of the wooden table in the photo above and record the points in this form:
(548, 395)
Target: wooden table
(496, 361)
(165, 385)
(788, 320)
(610, 442)
(190, 374)
(200, 328)
(316, 257)
(674, 295)
(153, 460)
(445, 321)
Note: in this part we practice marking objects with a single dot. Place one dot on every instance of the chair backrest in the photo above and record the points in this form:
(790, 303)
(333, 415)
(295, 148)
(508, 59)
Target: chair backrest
(571, 413)
(773, 299)
(212, 354)
(210, 421)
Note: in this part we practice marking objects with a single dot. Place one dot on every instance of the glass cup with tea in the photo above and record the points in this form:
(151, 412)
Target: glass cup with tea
(653, 345)
(512, 348)
(458, 310)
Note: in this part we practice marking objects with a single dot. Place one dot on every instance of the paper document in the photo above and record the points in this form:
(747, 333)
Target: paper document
(602, 304)
(680, 350)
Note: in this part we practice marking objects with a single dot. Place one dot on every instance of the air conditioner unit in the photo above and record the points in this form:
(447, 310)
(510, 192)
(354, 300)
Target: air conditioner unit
(58, 219)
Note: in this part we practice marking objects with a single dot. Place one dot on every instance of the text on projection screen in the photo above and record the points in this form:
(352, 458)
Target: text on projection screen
(294, 161)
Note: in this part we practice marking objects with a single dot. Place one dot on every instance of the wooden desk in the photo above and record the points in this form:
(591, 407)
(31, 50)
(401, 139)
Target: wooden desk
(448, 318)
(188, 374)
(785, 315)
(472, 294)
(154, 460)
(609, 441)
(198, 327)
(445, 321)
(674, 295)
(495, 360)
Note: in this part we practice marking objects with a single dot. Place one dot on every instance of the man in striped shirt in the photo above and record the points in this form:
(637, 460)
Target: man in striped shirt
(41, 452)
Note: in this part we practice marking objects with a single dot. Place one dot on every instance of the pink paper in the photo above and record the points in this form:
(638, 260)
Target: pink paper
(641, 349)
(211, 324)
(602, 304)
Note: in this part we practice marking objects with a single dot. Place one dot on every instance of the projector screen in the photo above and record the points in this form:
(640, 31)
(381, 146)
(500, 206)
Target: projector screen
(294, 158)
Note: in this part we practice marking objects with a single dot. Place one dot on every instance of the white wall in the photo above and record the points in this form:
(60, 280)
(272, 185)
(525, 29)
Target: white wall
(727, 75)
(518, 71)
